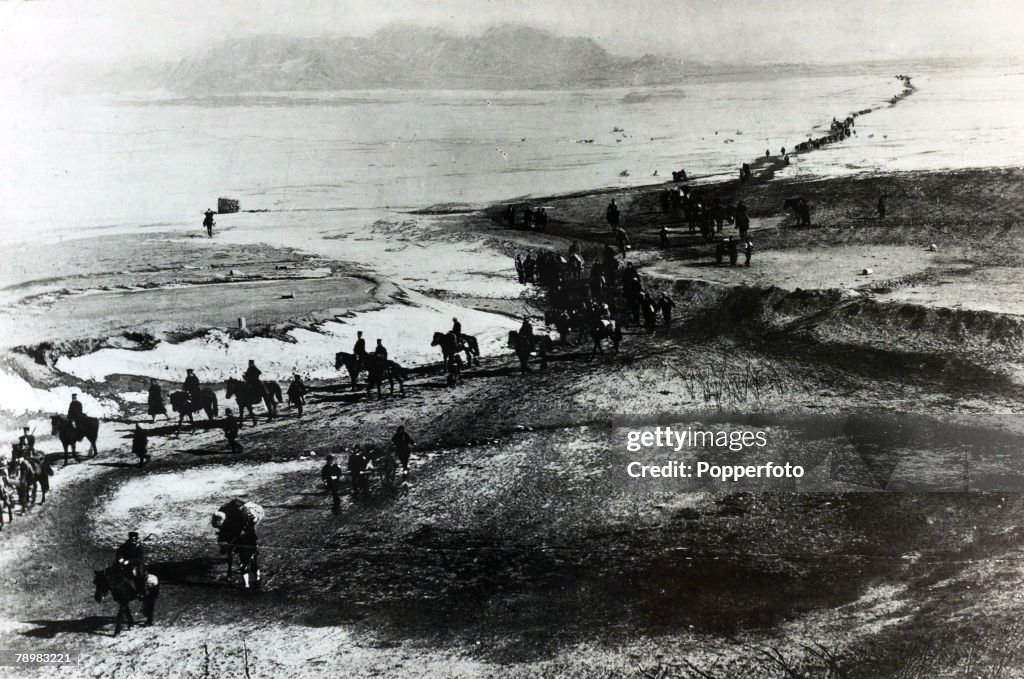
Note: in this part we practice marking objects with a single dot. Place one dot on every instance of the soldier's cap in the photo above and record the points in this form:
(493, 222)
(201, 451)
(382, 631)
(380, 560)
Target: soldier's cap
(25, 428)
(188, 370)
(330, 458)
(133, 534)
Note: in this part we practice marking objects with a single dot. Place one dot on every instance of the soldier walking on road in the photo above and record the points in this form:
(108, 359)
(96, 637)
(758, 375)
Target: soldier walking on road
(403, 442)
(140, 444)
(331, 476)
(612, 215)
(357, 464)
(231, 430)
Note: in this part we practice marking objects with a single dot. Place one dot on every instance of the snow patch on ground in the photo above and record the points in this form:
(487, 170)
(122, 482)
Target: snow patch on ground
(180, 503)
(406, 331)
(18, 397)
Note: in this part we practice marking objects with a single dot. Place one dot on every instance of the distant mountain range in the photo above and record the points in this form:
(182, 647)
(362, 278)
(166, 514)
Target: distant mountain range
(507, 56)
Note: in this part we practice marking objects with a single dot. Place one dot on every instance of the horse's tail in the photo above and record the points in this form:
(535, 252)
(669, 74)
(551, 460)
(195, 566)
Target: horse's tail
(275, 388)
(473, 346)
(212, 407)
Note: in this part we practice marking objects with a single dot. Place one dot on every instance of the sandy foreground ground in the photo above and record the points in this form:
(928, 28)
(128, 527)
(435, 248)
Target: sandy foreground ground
(519, 545)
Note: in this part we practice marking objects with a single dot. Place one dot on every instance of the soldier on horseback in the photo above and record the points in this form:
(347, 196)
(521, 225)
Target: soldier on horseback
(457, 331)
(252, 378)
(526, 330)
(26, 445)
(130, 557)
(75, 413)
(359, 348)
(191, 387)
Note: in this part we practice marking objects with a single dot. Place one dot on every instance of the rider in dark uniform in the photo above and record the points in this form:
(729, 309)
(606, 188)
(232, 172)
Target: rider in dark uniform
(403, 442)
(252, 378)
(75, 413)
(359, 349)
(380, 351)
(131, 557)
(191, 387)
(526, 329)
(457, 331)
(26, 445)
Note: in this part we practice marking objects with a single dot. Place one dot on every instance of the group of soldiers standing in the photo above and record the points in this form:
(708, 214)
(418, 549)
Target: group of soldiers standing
(533, 218)
(362, 460)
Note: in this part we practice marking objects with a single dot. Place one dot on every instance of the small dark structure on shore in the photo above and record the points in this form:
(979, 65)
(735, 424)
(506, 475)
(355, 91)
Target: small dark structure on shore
(226, 206)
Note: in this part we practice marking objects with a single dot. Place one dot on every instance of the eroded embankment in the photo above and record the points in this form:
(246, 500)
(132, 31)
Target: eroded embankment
(961, 348)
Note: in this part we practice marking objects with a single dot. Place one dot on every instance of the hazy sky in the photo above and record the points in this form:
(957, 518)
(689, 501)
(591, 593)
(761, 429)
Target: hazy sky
(711, 30)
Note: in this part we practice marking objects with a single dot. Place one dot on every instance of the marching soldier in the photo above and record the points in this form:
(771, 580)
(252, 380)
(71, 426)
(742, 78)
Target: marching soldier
(330, 473)
(231, 430)
(403, 442)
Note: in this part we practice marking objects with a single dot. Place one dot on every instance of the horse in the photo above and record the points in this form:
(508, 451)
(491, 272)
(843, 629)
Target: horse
(121, 587)
(525, 345)
(32, 475)
(352, 364)
(801, 210)
(450, 346)
(602, 330)
(6, 501)
(232, 520)
(70, 435)
(246, 396)
(181, 403)
(379, 369)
